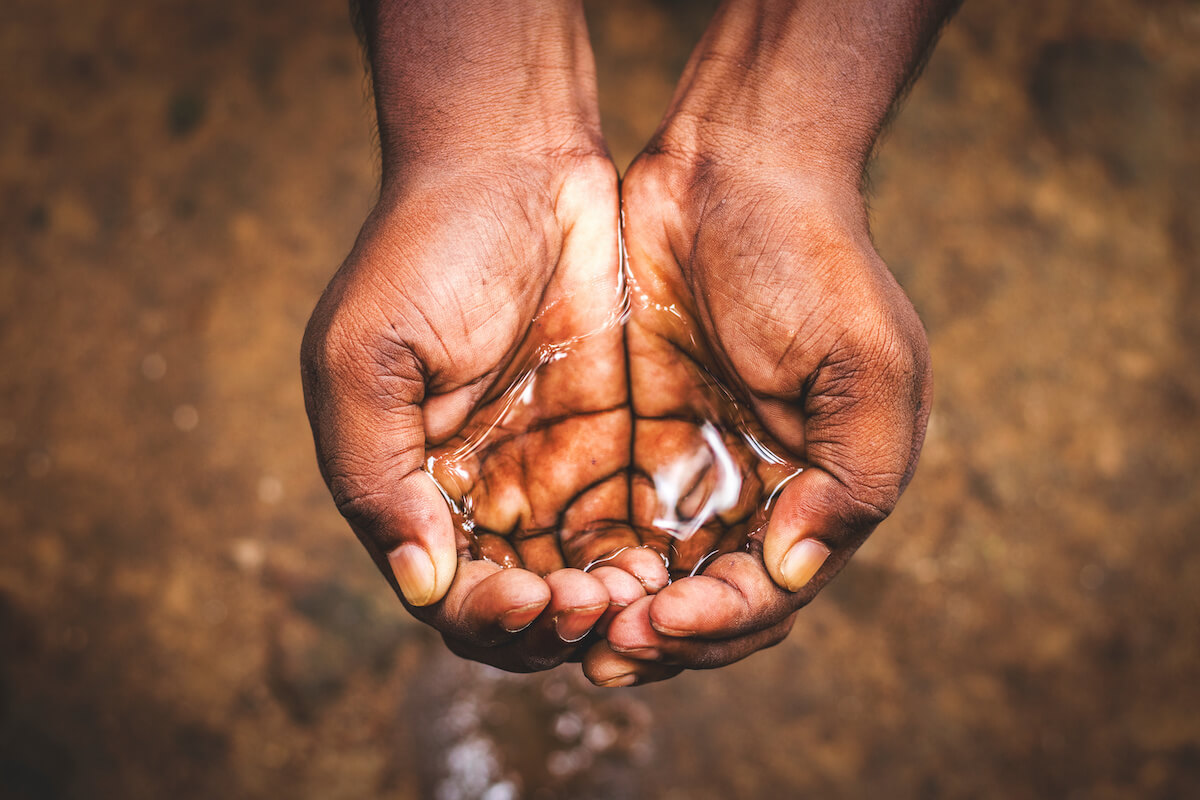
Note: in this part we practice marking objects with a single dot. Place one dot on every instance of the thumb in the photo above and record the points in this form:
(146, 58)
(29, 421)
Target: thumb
(371, 448)
(813, 530)
(864, 423)
(412, 527)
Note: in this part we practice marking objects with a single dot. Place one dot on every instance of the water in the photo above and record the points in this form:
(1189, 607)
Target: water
(619, 434)
(483, 734)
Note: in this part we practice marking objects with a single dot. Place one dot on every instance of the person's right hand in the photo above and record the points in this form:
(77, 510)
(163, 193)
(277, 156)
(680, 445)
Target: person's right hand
(495, 237)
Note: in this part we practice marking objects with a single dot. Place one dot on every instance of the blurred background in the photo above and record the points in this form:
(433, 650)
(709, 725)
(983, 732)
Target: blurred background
(183, 614)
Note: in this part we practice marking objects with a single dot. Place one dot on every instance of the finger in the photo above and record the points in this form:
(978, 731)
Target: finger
(487, 605)
(701, 654)
(735, 596)
(408, 528)
(605, 668)
(623, 590)
(815, 527)
(577, 601)
(632, 636)
(622, 587)
(368, 429)
(642, 563)
(863, 424)
(418, 536)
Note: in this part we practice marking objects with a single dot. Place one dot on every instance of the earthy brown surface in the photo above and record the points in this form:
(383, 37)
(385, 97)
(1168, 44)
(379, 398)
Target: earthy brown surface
(183, 614)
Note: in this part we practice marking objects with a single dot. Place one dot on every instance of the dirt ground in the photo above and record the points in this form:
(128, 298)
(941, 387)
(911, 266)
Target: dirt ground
(183, 614)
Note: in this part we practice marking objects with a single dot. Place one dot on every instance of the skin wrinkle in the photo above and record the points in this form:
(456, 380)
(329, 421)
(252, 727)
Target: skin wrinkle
(435, 333)
(558, 523)
(492, 451)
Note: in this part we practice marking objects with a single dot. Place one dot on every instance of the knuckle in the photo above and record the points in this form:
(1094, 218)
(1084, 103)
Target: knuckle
(374, 360)
(886, 353)
(897, 357)
(329, 343)
(870, 499)
(359, 497)
(365, 493)
(875, 364)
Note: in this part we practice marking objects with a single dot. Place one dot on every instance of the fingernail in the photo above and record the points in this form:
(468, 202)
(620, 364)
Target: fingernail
(572, 627)
(667, 631)
(518, 619)
(640, 653)
(628, 679)
(414, 572)
(801, 562)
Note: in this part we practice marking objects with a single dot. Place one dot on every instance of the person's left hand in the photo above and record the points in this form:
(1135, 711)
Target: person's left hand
(766, 278)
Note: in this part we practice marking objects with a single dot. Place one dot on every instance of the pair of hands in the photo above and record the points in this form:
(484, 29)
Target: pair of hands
(755, 269)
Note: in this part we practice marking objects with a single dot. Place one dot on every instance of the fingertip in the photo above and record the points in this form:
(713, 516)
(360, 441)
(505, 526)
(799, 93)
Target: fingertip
(438, 537)
(734, 596)
(794, 547)
(623, 588)
(423, 555)
(503, 602)
(645, 564)
(574, 588)
(605, 668)
(631, 634)
(415, 574)
(578, 600)
(801, 563)
(608, 669)
(698, 605)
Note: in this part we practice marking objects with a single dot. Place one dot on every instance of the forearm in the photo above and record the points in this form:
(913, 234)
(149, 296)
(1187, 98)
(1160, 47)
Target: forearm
(805, 82)
(461, 79)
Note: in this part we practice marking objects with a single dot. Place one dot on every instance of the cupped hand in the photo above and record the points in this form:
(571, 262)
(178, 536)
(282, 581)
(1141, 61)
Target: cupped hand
(766, 279)
(460, 282)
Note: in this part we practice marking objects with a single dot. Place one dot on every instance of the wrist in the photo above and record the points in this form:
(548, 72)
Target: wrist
(494, 78)
(715, 138)
(747, 94)
(804, 85)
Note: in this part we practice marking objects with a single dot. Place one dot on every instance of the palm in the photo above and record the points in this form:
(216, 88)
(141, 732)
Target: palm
(762, 307)
(691, 399)
(596, 437)
(536, 475)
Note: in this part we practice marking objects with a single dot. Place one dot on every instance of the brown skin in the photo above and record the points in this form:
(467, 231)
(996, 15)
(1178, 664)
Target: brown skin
(496, 232)
(826, 354)
(418, 331)
(745, 209)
